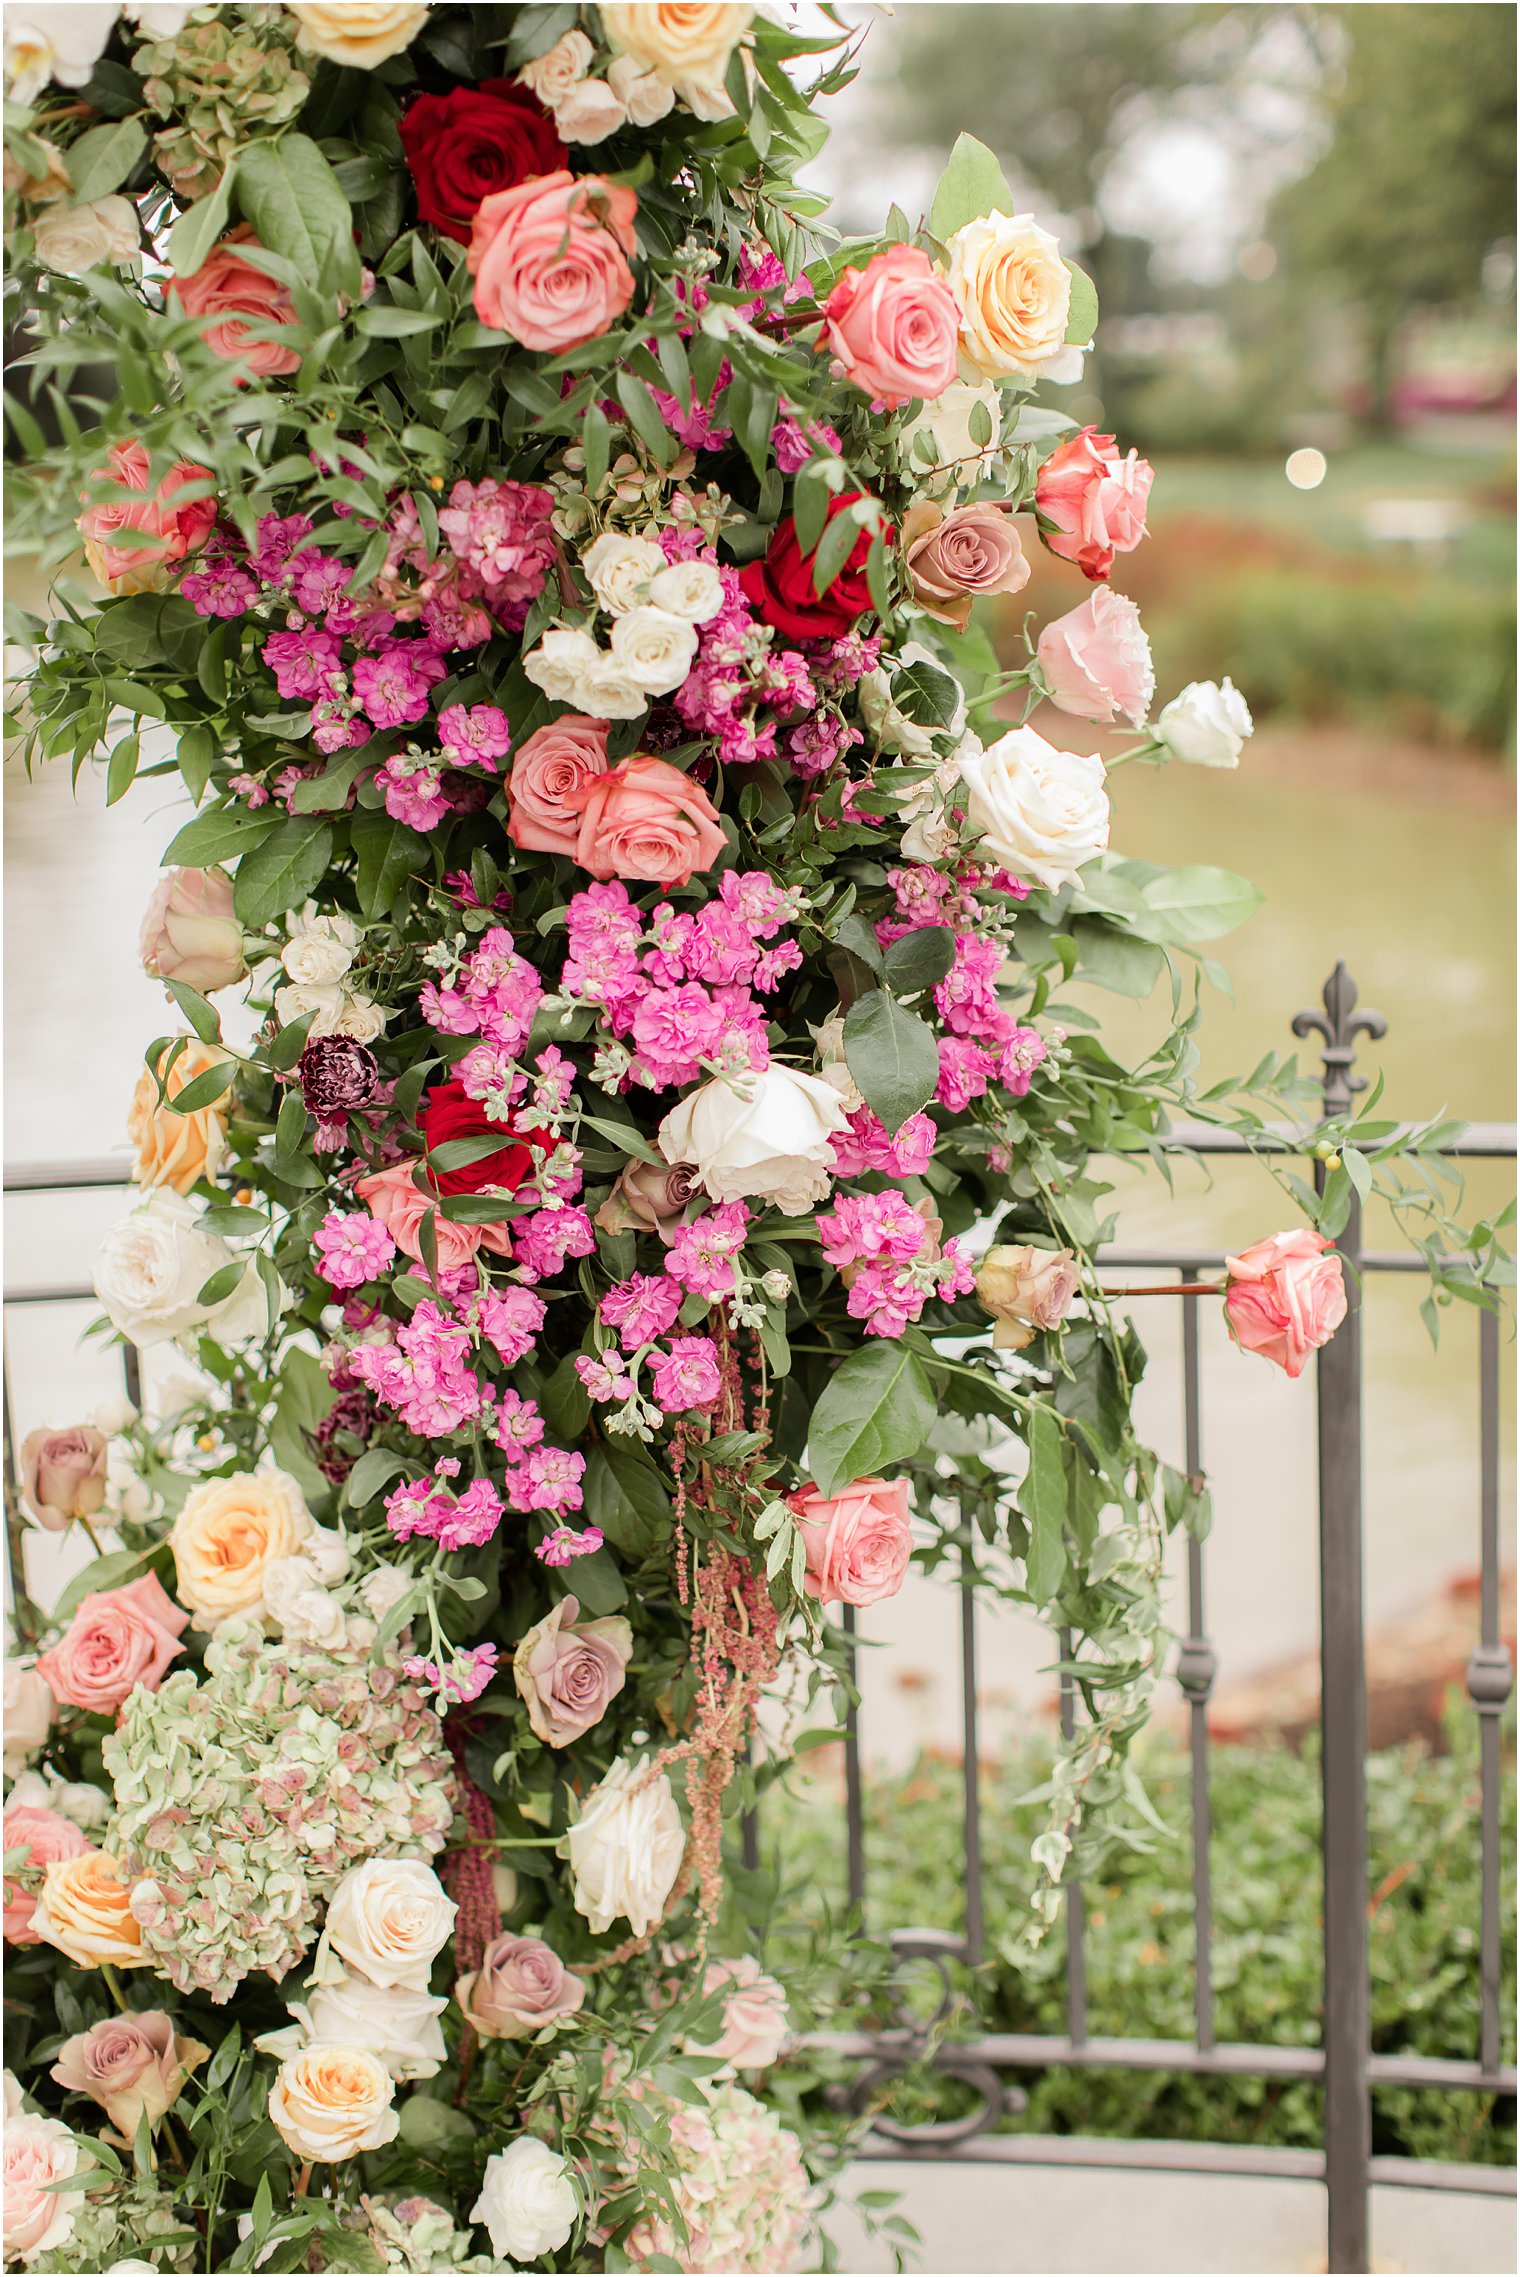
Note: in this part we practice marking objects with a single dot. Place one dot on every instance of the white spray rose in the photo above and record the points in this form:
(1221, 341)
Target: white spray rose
(643, 94)
(833, 1067)
(390, 1918)
(152, 1265)
(1042, 812)
(339, 1011)
(554, 74)
(320, 948)
(75, 239)
(765, 1139)
(589, 113)
(561, 662)
(528, 2200)
(654, 648)
(1208, 725)
(689, 589)
(625, 1849)
(300, 1607)
(620, 570)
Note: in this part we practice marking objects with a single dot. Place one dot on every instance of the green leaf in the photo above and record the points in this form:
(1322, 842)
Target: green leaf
(1198, 903)
(100, 161)
(375, 1469)
(644, 418)
(218, 1286)
(388, 854)
(563, 1402)
(1042, 1499)
(971, 185)
(196, 231)
(1082, 322)
(892, 1055)
(291, 1041)
(290, 194)
(283, 872)
(919, 959)
(877, 1408)
(625, 1499)
(394, 323)
(834, 550)
(101, 1573)
(218, 837)
(596, 441)
(121, 772)
(202, 1089)
(203, 1017)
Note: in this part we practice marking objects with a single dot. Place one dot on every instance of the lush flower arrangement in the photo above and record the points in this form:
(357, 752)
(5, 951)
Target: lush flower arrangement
(659, 1192)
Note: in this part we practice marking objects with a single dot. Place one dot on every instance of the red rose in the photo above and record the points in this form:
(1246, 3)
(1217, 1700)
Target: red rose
(449, 1113)
(463, 146)
(780, 588)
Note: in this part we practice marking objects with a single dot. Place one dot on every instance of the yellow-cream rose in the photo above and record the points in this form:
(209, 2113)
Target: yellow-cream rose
(85, 1909)
(175, 1150)
(686, 43)
(333, 2102)
(360, 33)
(228, 1532)
(1014, 294)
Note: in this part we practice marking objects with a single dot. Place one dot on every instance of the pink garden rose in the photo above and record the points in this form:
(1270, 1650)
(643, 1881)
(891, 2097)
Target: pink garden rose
(235, 293)
(956, 558)
(117, 1639)
(1093, 501)
(570, 1674)
(399, 1204)
(644, 819)
(754, 2014)
(1285, 1297)
(113, 528)
(1097, 660)
(44, 1834)
(857, 1541)
(520, 1986)
(129, 2065)
(892, 326)
(555, 765)
(63, 1474)
(549, 259)
(189, 932)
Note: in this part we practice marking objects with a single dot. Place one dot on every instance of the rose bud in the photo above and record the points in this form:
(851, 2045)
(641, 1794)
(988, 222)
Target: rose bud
(649, 1198)
(1026, 1290)
(63, 1474)
(189, 932)
(1285, 1297)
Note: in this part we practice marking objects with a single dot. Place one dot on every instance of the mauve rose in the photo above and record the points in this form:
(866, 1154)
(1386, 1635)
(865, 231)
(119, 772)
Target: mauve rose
(549, 259)
(45, 1835)
(649, 1197)
(549, 773)
(63, 1474)
(1097, 660)
(232, 290)
(520, 1986)
(956, 558)
(118, 1638)
(647, 821)
(1026, 1290)
(1093, 501)
(857, 1541)
(174, 530)
(396, 1201)
(189, 932)
(129, 2065)
(892, 326)
(1285, 1297)
(569, 1675)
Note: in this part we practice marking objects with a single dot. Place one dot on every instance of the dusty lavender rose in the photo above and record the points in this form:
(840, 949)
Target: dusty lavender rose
(956, 558)
(649, 1197)
(520, 1986)
(569, 1675)
(1026, 1290)
(63, 1474)
(190, 932)
(128, 2065)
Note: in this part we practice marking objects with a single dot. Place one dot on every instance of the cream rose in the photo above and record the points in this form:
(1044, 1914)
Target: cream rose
(390, 1918)
(339, 1011)
(625, 1849)
(333, 2102)
(300, 1607)
(589, 113)
(152, 1266)
(46, 40)
(1042, 812)
(620, 570)
(228, 1534)
(653, 648)
(1014, 294)
(643, 94)
(689, 589)
(767, 1142)
(75, 239)
(561, 663)
(391, 2022)
(554, 75)
(686, 43)
(85, 1909)
(359, 33)
(1208, 725)
(528, 2201)
(320, 949)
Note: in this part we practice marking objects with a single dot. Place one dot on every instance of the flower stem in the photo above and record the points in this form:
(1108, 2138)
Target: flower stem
(1172, 1289)
(303, 2181)
(113, 1986)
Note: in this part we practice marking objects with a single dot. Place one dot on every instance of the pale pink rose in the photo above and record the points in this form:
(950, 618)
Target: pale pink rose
(893, 325)
(36, 2153)
(520, 1986)
(644, 819)
(569, 1675)
(1097, 660)
(232, 290)
(189, 932)
(128, 2065)
(549, 258)
(110, 526)
(63, 1474)
(956, 558)
(857, 1542)
(45, 1835)
(754, 2014)
(117, 1639)
(549, 773)
(397, 1202)
(1093, 501)
(1285, 1297)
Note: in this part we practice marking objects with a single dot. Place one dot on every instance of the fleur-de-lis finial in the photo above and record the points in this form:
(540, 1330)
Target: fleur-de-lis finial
(1340, 1024)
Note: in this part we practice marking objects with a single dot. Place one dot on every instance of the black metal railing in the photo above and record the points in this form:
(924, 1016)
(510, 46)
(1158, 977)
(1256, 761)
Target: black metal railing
(1344, 2065)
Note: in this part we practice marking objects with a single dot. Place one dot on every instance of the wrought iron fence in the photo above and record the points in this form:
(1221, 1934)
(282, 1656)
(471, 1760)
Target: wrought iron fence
(1345, 2064)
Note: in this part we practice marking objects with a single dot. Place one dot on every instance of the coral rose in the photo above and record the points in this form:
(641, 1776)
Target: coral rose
(857, 1542)
(189, 932)
(330, 2103)
(549, 259)
(1013, 291)
(570, 1674)
(234, 294)
(85, 1909)
(644, 819)
(1285, 1297)
(520, 1986)
(550, 772)
(130, 2065)
(956, 558)
(396, 1200)
(779, 588)
(118, 1638)
(227, 1532)
(892, 327)
(172, 1149)
(63, 1474)
(1096, 660)
(359, 33)
(113, 528)
(1091, 503)
(45, 1835)
(467, 145)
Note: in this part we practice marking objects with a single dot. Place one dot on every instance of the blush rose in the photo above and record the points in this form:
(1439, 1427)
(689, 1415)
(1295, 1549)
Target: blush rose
(118, 1638)
(892, 327)
(395, 1199)
(569, 1672)
(1096, 660)
(550, 259)
(233, 293)
(549, 773)
(129, 2065)
(644, 819)
(520, 1986)
(857, 1542)
(63, 1475)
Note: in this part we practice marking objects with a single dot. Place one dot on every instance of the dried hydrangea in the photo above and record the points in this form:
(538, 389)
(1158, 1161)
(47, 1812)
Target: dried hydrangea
(418, 2234)
(222, 81)
(739, 2182)
(242, 1797)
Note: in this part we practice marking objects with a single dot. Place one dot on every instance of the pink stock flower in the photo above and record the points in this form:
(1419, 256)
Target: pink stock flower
(1285, 1297)
(353, 1248)
(547, 1478)
(474, 735)
(641, 1308)
(687, 1375)
(701, 1254)
(564, 1543)
(430, 1508)
(392, 689)
(503, 533)
(510, 1319)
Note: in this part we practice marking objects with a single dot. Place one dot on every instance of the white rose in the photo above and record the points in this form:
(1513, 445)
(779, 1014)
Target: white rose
(160, 19)
(654, 648)
(688, 47)
(339, 1012)
(54, 39)
(73, 239)
(552, 75)
(589, 113)
(320, 949)
(29, 1711)
(384, 1586)
(37, 2153)
(1014, 294)
(833, 1067)
(689, 589)
(643, 94)
(620, 570)
(132, 2269)
(390, 1918)
(929, 838)
(528, 2200)
(360, 1017)
(396, 2024)
(608, 690)
(152, 1265)
(561, 661)
(772, 1145)
(958, 456)
(1042, 812)
(1208, 725)
(89, 1807)
(891, 728)
(330, 2103)
(302, 1609)
(625, 1849)
(113, 1414)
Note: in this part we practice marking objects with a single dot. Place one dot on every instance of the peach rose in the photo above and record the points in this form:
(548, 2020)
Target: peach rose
(956, 558)
(549, 259)
(85, 1909)
(45, 1835)
(234, 292)
(1097, 661)
(358, 33)
(1091, 503)
(1026, 1290)
(645, 819)
(118, 1638)
(685, 44)
(570, 1674)
(1285, 1297)
(892, 327)
(63, 1474)
(548, 774)
(520, 1986)
(177, 1150)
(189, 932)
(857, 1541)
(331, 2103)
(37, 2153)
(112, 527)
(129, 2065)
(1013, 291)
(396, 1201)
(227, 1531)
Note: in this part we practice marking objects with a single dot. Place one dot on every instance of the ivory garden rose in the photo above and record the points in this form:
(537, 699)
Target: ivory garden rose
(389, 1919)
(1208, 725)
(190, 933)
(358, 33)
(36, 2154)
(625, 1848)
(1042, 813)
(153, 1265)
(766, 1138)
(1013, 291)
(686, 44)
(397, 2024)
(528, 2201)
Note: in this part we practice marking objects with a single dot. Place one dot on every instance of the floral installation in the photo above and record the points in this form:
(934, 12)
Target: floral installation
(660, 1200)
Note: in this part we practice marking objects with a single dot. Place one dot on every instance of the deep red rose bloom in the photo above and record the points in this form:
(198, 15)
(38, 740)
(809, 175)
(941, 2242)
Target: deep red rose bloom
(780, 588)
(464, 145)
(448, 1112)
